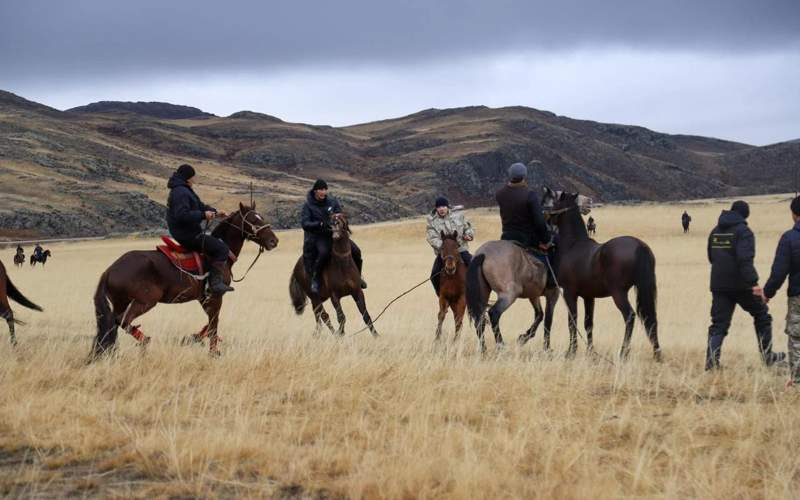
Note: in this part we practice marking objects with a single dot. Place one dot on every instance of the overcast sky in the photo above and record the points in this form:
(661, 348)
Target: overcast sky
(726, 68)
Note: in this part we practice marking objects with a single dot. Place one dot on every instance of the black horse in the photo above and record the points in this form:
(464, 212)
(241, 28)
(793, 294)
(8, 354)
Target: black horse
(41, 259)
(590, 270)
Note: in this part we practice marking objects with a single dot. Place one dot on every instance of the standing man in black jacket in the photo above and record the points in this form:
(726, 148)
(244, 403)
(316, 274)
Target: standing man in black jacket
(734, 280)
(318, 238)
(521, 212)
(185, 213)
(787, 263)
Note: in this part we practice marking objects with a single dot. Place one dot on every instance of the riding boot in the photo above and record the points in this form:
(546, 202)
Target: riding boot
(713, 352)
(216, 280)
(315, 283)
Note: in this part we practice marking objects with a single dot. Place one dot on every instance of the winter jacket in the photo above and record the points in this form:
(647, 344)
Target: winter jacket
(315, 217)
(185, 211)
(786, 263)
(521, 215)
(452, 222)
(731, 250)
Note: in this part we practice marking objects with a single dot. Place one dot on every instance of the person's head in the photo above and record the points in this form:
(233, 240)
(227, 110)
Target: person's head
(517, 172)
(442, 206)
(320, 189)
(186, 172)
(742, 208)
(795, 206)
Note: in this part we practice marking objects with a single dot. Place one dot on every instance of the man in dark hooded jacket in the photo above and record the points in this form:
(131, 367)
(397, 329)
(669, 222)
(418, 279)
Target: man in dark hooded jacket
(520, 211)
(734, 280)
(315, 219)
(185, 214)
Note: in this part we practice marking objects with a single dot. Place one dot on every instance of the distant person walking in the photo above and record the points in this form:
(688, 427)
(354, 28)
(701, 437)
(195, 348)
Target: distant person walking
(686, 219)
(734, 280)
(787, 263)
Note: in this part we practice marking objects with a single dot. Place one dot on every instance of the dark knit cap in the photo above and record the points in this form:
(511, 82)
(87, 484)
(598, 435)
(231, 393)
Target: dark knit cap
(741, 208)
(185, 171)
(320, 184)
(796, 206)
(517, 172)
(442, 202)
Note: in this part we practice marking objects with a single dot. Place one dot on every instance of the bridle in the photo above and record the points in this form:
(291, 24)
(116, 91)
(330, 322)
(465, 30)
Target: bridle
(251, 236)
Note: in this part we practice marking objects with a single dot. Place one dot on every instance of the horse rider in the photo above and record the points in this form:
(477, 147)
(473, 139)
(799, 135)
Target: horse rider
(20, 251)
(787, 263)
(185, 213)
(734, 280)
(521, 213)
(38, 251)
(443, 219)
(685, 220)
(315, 218)
(591, 225)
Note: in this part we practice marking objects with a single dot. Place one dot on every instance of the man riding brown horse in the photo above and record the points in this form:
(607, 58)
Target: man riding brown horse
(443, 220)
(185, 213)
(315, 219)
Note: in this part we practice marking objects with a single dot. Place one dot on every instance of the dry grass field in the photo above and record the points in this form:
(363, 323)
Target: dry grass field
(284, 414)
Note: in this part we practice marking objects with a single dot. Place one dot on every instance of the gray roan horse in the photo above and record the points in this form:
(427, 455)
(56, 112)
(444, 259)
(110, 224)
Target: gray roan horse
(511, 272)
(589, 270)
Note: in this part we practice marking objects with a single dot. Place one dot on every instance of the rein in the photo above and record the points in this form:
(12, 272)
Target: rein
(248, 236)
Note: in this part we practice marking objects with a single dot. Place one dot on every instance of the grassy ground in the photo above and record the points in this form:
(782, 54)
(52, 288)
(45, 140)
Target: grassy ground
(285, 414)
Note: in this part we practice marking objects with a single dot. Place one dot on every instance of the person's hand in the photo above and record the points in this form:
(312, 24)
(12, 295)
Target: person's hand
(468, 237)
(221, 214)
(545, 246)
(209, 215)
(759, 292)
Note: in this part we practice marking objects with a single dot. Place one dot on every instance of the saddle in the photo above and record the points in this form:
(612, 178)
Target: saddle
(184, 259)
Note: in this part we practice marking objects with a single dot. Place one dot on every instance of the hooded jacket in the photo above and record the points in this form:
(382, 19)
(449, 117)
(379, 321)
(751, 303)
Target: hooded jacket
(786, 263)
(315, 218)
(185, 211)
(731, 250)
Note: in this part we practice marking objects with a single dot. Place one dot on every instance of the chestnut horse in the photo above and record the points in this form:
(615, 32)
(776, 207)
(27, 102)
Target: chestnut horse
(589, 270)
(140, 279)
(452, 283)
(339, 279)
(8, 290)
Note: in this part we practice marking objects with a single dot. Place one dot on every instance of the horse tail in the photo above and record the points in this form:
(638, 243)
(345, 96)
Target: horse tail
(17, 296)
(477, 288)
(646, 292)
(298, 295)
(106, 323)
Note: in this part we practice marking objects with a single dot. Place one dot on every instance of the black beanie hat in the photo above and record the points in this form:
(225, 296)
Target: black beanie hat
(442, 202)
(741, 208)
(185, 172)
(796, 206)
(320, 184)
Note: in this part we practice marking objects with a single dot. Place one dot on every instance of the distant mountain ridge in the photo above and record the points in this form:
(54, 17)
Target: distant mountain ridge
(103, 167)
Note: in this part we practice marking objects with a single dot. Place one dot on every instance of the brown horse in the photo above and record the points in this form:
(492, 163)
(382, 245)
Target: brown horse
(19, 259)
(339, 279)
(511, 272)
(8, 290)
(452, 283)
(139, 280)
(43, 259)
(590, 270)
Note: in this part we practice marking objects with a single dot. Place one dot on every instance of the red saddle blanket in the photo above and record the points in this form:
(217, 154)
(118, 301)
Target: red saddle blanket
(182, 258)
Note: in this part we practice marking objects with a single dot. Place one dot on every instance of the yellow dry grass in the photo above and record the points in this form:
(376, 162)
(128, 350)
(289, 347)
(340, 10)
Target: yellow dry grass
(286, 414)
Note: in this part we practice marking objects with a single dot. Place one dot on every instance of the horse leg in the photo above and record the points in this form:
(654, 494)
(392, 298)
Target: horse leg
(443, 305)
(588, 322)
(133, 311)
(361, 303)
(624, 306)
(537, 319)
(211, 306)
(572, 309)
(459, 309)
(195, 338)
(551, 298)
(503, 302)
(8, 314)
(337, 305)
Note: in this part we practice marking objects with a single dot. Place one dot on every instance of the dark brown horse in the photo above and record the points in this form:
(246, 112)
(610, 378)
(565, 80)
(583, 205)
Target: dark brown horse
(339, 279)
(42, 259)
(452, 283)
(8, 290)
(591, 270)
(19, 259)
(140, 279)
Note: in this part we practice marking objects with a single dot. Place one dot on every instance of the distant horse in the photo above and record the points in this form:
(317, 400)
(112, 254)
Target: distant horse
(511, 272)
(8, 290)
(41, 259)
(339, 279)
(590, 270)
(452, 283)
(19, 259)
(140, 279)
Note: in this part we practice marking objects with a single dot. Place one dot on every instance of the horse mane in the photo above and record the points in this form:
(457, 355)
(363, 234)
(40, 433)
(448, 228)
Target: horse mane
(451, 236)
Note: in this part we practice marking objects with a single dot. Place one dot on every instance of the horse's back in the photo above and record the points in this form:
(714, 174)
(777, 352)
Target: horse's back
(507, 265)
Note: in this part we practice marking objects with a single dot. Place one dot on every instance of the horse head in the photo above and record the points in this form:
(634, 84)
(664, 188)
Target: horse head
(253, 226)
(449, 252)
(339, 226)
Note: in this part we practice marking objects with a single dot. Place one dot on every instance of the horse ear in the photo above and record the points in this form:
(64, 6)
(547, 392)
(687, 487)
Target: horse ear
(441, 233)
(253, 205)
(241, 207)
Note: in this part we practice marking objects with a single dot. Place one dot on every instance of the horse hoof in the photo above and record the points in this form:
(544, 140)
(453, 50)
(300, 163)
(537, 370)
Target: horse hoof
(658, 357)
(216, 353)
(145, 340)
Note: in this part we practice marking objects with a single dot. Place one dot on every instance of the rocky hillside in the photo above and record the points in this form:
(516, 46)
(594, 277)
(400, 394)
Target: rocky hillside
(102, 168)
